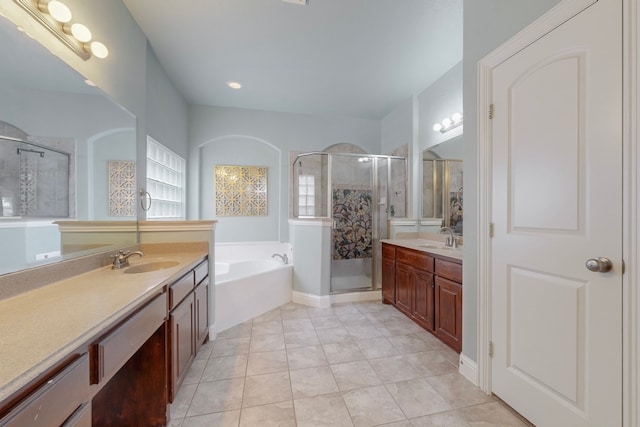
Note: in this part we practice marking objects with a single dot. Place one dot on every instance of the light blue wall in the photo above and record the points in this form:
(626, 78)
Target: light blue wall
(283, 131)
(487, 24)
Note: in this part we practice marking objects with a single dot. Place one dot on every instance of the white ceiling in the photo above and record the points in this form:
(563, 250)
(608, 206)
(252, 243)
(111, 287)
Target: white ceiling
(357, 58)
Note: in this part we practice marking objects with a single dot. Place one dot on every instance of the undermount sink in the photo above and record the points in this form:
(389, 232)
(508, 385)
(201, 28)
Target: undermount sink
(151, 266)
(441, 248)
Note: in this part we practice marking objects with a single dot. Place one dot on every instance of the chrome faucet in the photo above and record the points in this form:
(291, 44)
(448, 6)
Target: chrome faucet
(283, 257)
(121, 259)
(450, 241)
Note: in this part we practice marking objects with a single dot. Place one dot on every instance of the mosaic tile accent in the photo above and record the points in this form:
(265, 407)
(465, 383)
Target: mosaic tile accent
(240, 190)
(28, 185)
(122, 188)
(352, 235)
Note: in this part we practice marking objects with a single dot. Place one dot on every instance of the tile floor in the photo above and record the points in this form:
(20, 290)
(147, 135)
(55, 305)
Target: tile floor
(361, 364)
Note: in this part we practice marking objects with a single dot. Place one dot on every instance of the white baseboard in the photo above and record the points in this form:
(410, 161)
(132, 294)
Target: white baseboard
(468, 368)
(212, 333)
(356, 297)
(311, 300)
(325, 301)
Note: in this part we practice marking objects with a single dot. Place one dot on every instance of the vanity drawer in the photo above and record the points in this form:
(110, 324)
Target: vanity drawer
(415, 259)
(450, 270)
(388, 251)
(201, 271)
(54, 401)
(110, 353)
(180, 289)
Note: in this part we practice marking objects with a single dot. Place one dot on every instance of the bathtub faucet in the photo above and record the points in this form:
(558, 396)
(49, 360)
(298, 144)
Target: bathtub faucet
(283, 257)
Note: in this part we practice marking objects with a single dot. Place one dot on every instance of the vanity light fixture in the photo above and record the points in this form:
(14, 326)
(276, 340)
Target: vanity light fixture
(449, 123)
(56, 17)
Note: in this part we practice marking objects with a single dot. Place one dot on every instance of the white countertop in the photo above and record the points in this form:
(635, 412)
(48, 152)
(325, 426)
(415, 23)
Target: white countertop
(430, 246)
(39, 328)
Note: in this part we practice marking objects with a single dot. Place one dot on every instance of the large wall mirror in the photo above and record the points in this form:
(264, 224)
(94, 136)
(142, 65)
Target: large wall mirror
(442, 189)
(68, 154)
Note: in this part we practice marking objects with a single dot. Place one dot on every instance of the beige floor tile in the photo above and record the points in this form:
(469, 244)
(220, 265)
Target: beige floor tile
(376, 347)
(328, 410)
(269, 316)
(406, 423)
(396, 328)
(354, 375)
(417, 398)
(292, 306)
(320, 312)
(490, 414)
(195, 371)
(431, 363)
(354, 320)
(458, 391)
(242, 330)
(265, 328)
(296, 313)
(369, 307)
(205, 350)
(312, 382)
(451, 356)
(301, 339)
(269, 342)
(279, 414)
(372, 406)
(266, 388)
(344, 308)
(326, 322)
(225, 368)
(333, 335)
(432, 341)
(443, 419)
(293, 325)
(408, 344)
(230, 347)
(221, 419)
(175, 423)
(306, 357)
(393, 369)
(217, 396)
(267, 362)
(342, 352)
(363, 332)
(182, 401)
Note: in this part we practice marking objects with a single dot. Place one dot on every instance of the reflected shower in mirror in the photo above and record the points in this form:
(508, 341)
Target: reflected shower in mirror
(67, 154)
(442, 186)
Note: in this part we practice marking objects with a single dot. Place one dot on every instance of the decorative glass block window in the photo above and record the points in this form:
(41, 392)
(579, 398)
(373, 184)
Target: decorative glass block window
(306, 195)
(165, 182)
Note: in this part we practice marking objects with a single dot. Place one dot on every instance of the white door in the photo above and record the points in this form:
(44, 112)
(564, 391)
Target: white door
(557, 202)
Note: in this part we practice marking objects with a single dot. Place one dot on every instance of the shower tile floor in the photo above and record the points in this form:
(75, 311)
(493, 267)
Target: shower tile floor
(360, 364)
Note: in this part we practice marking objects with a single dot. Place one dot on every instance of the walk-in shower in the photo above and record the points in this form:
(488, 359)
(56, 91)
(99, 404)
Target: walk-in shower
(34, 180)
(359, 192)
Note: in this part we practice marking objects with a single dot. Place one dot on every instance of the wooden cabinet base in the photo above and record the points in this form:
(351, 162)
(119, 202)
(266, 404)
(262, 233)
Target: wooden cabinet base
(137, 394)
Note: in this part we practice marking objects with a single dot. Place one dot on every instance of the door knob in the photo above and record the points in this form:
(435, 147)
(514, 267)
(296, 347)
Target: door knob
(599, 264)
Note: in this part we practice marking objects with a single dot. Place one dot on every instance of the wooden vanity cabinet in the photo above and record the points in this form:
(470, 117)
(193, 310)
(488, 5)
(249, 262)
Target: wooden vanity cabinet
(427, 288)
(60, 400)
(188, 322)
(448, 303)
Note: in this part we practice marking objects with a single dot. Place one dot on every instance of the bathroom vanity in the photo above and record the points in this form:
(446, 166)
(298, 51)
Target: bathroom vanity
(103, 348)
(423, 280)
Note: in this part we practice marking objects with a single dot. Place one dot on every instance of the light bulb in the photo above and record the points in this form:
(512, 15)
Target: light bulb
(437, 127)
(234, 85)
(81, 32)
(99, 50)
(456, 117)
(446, 122)
(59, 11)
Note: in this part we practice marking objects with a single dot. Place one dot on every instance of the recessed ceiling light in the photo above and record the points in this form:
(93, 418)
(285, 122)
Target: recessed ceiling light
(234, 85)
(300, 2)
(89, 83)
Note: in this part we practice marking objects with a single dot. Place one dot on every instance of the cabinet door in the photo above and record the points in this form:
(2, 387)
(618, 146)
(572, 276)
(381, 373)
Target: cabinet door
(449, 313)
(202, 313)
(404, 285)
(388, 280)
(423, 304)
(182, 342)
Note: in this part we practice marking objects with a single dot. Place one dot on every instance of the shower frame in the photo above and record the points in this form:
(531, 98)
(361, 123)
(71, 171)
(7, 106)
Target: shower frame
(376, 268)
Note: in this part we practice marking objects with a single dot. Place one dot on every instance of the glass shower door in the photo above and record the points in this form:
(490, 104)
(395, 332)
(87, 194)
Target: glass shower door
(353, 207)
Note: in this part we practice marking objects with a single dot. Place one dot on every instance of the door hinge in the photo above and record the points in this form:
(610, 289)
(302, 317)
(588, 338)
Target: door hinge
(490, 348)
(490, 111)
(491, 229)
